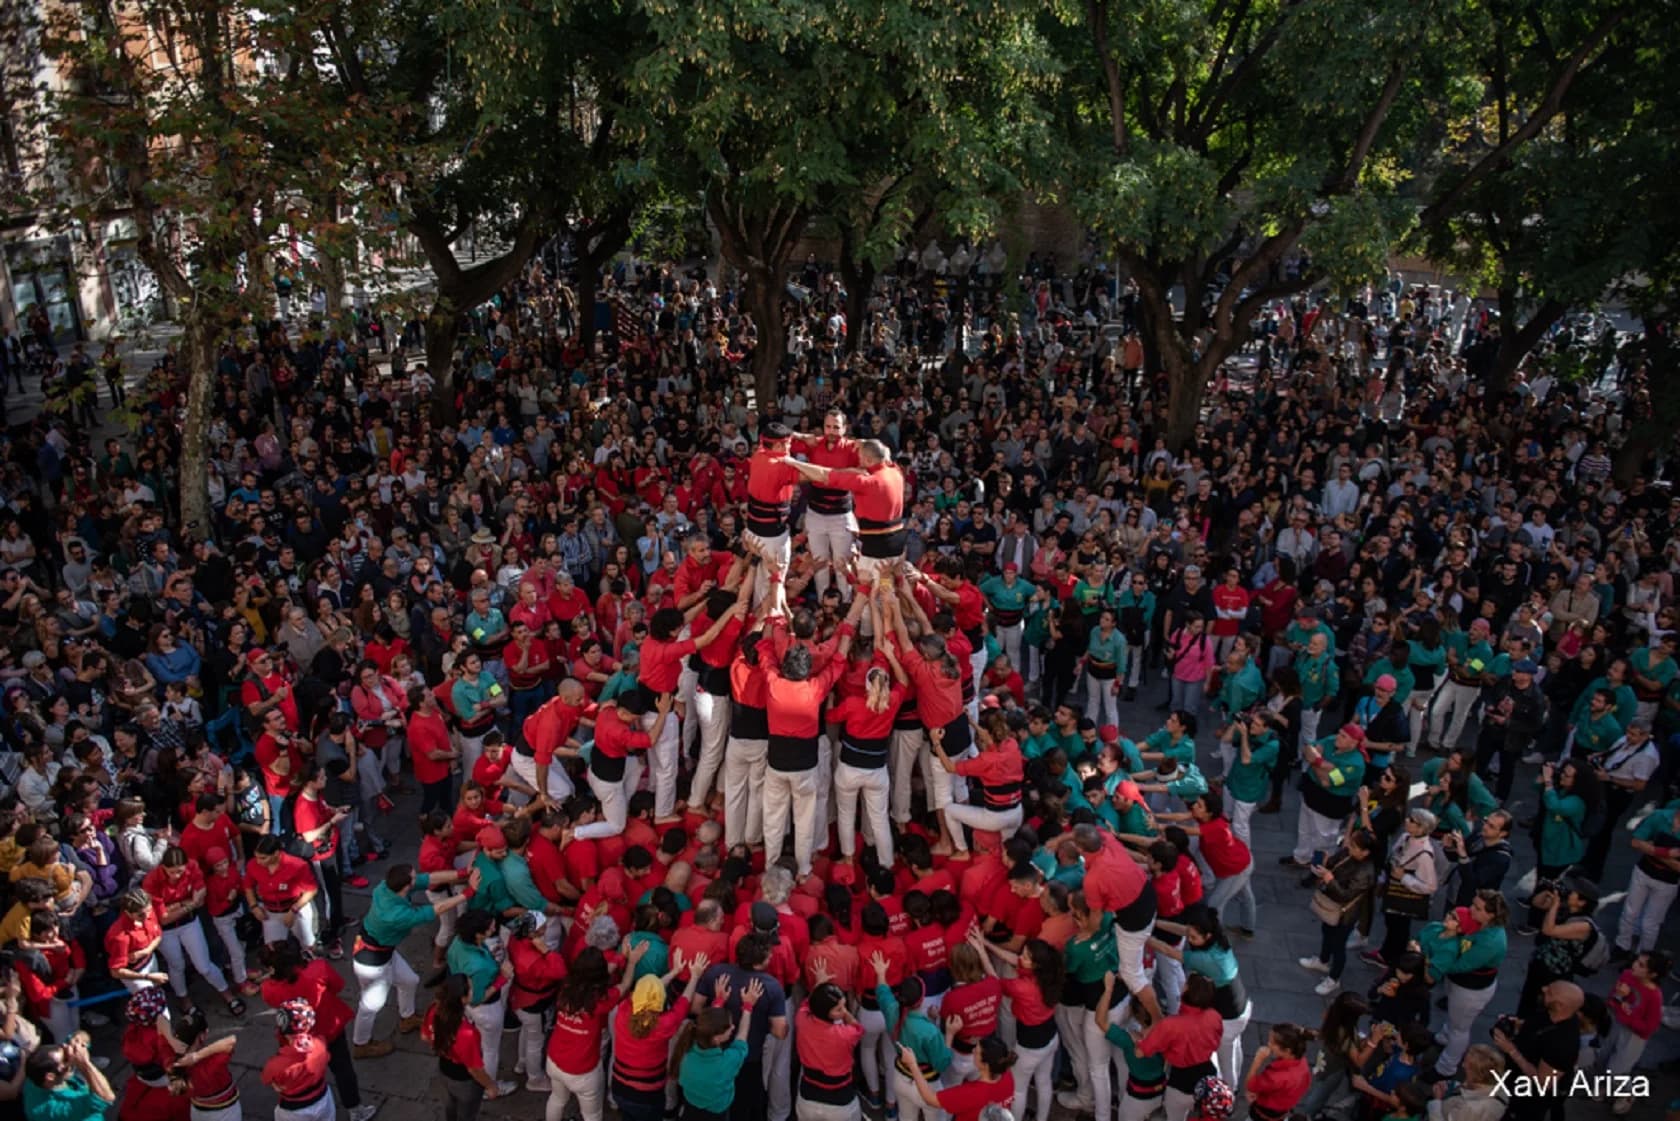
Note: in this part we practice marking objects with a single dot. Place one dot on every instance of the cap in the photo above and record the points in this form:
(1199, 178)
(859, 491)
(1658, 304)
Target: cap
(990, 701)
(215, 855)
(1525, 666)
(1129, 790)
(33, 659)
(764, 917)
(1012, 567)
(1354, 732)
(490, 837)
(1386, 681)
(1109, 733)
(252, 657)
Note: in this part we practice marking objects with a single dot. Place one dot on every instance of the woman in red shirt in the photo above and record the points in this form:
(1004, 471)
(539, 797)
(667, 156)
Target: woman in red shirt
(211, 1087)
(317, 822)
(1187, 1041)
(1033, 994)
(460, 1054)
(537, 974)
(431, 749)
(1278, 1076)
(151, 1050)
(992, 1083)
(179, 893)
(586, 998)
(437, 854)
(998, 771)
(866, 728)
(132, 942)
(643, 1028)
(298, 1072)
(318, 985)
(825, 1036)
(975, 999)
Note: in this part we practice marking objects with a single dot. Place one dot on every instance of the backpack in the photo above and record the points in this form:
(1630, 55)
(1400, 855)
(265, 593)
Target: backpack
(1597, 954)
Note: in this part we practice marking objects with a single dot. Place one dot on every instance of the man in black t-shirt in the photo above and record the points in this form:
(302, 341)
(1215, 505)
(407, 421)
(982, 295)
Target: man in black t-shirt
(1543, 1054)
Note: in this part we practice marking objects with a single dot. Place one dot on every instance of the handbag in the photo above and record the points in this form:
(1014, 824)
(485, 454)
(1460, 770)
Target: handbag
(1330, 912)
(1404, 903)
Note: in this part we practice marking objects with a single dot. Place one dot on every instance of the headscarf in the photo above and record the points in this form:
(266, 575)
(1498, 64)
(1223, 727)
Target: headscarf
(145, 1006)
(1214, 1098)
(296, 1019)
(648, 995)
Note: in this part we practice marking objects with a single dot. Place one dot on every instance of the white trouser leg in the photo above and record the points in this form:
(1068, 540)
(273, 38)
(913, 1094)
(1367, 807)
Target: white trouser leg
(1463, 1006)
(1420, 707)
(1647, 903)
(615, 808)
(906, 751)
(1130, 945)
(1070, 1026)
(1169, 977)
(1457, 700)
(1099, 1056)
(688, 684)
(1236, 888)
(778, 1080)
(190, 938)
(324, 1110)
(778, 804)
(1005, 822)
(531, 1039)
(1625, 1050)
(1229, 1057)
(227, 929)
(302, 927)
(805, 789)
(1010, 639)
(1242, 827)
(711, 713)
(559, 782)
(563, 1087)
(1314, 833)
(778, 548)
(830, 537)
(663, 757)
(1178, 1104)
(487, 1018)
(376, 982)
(1309, 724)
(874, 1030)
(821, 803)
(1138, 1109)
(848, 780)
(1032, 1070)
(909, 1098)
(446, 919)
(472, 750)
(743, 777)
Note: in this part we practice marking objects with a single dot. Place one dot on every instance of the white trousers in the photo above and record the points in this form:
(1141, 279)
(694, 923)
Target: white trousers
(472, 750)
(1463, 1006)
(1101, 704)
(559, 782)
(1130, 946)
(1647, 903)
(487, 1018)
(589, 1089)
(876, 1052)
(186, 942)
(1309, 724)
(778, 547)
(303, 927)
(376, 982)
(1033, 1069)
(909, 748)
(663, 758)
(1100, 1057)
(531, 1038)
(958, 814)
(1070, 1026)
(234, 1112)
(324, 1110)
(1229, 1057)
(711, 715)
(743, 778)
(871, 784)
(446, 919)
(1010, 639)
(1419, 706)
(227, 929)
(911, 1107)
(1315, 833)
(615, 802)
(1242, 826)
(826, 1111)
(830, 538)
(943, 787)
(1452, 710)
(1178, 1104)
(790, 793)
(688, 685)
(778, 1075)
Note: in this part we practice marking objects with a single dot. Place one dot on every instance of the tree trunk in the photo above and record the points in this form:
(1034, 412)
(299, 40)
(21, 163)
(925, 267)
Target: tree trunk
(1655, 430)
(332, 279)
(1515, 343)
(443, 327)
(762, 296)
(198, 356)
(589, 281)
(860, 284)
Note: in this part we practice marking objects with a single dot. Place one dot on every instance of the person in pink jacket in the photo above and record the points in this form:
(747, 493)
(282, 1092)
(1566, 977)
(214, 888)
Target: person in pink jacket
(1191, 652)
(381, 708)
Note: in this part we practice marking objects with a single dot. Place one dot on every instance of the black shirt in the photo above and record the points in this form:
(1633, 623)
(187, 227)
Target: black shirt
(1544, 1042)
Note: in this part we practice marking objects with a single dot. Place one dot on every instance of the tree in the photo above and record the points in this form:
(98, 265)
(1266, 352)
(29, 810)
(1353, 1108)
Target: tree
(209, 127)
(1529, 193)
(1245, 151)
(508, 121)
(793, 110)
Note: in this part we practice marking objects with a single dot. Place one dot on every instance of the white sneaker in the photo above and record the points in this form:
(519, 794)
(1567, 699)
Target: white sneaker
(539, 1085)
(1533, 758)
(363, 1112)
(1314, 964)
(1356, 941)
(503, 1089)
(1327, 986)
(1069, 1100)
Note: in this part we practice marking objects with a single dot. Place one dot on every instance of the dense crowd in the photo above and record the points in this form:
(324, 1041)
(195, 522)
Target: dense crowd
(892, 746)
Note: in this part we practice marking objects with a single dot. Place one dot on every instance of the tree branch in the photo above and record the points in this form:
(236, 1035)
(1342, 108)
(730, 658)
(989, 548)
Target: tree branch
(1096, 14)
(1244, 72)
(1549, 107)
(1368, 134)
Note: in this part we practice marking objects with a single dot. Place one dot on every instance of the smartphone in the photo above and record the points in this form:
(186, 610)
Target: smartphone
(1318, 860)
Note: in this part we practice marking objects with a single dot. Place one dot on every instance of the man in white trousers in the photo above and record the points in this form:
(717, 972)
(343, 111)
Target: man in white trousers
(614, 765)
(772, 479)
(830, 523)
(378, 965)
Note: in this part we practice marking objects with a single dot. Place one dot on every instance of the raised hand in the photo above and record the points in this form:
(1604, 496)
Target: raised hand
(754, 992)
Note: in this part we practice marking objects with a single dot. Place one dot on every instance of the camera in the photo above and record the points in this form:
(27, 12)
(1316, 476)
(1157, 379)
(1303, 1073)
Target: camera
(1507, 1026)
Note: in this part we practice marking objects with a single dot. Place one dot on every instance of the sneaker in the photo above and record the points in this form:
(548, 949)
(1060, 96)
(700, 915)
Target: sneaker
(503, 1089)
(1533, 758)
(372, 1049)
(363, 1112)
(410, 1023)
(891, 1113)
(1374, 957)
(539, 1085)
(1355, 940)
(103, 1062)
(1327, 986)
(1070, 1101)
(355, 879)
(1313, 965)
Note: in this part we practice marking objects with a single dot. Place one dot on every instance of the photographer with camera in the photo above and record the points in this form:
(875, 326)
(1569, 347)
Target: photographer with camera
(1566, 936)
(1480, 861)
(63, 1083)
(1544, 1046)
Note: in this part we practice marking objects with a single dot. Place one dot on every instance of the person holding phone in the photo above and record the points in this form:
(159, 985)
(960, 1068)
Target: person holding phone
(478, 697)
